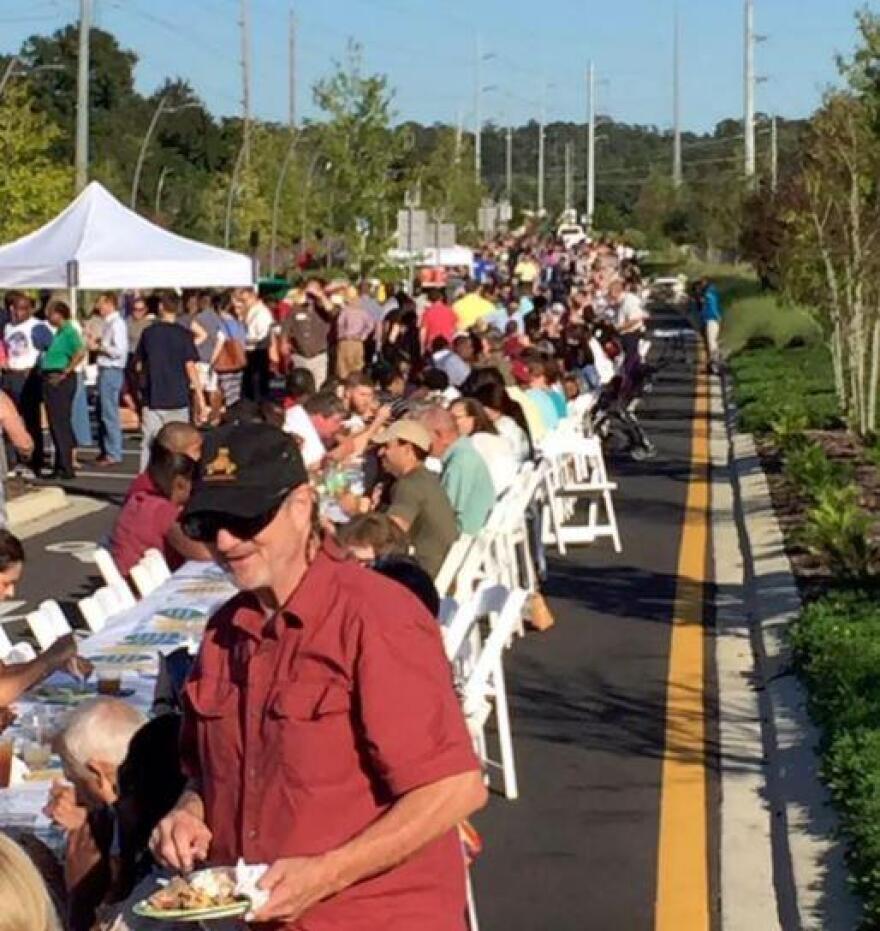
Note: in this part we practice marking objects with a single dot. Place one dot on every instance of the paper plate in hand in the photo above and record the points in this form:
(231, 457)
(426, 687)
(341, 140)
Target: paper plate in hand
(217, 882)
(145, 910)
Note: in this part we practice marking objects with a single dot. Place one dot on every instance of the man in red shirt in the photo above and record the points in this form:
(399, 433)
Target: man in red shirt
(439, 319)
(321, 734)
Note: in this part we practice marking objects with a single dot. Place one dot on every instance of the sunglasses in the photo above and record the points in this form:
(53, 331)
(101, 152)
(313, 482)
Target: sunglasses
(205, 527)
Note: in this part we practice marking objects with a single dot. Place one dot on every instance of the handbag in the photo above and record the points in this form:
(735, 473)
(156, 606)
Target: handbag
(232, 356)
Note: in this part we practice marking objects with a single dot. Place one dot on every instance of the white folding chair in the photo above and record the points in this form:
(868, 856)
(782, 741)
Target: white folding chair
(143, 578)
(452, 563)
(113, 577)
(59, 619)
(5, 644)
(158, 565)
(479, 665)
(109, 601)
(92, 613)
(576, 469)
(43, 627)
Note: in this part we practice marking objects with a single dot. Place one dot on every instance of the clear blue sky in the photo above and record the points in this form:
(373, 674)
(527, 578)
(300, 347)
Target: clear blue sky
(427, 48)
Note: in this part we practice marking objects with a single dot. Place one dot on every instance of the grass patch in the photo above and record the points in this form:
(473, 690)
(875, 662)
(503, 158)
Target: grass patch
(771, 384)
(836, 643)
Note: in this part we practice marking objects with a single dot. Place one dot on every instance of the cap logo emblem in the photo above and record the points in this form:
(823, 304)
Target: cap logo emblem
(222, 468)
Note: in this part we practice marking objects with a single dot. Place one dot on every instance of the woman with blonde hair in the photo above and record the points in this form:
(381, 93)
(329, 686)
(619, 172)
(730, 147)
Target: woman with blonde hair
(26, 905)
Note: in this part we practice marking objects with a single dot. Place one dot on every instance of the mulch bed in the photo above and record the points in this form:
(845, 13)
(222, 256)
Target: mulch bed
(811, 572)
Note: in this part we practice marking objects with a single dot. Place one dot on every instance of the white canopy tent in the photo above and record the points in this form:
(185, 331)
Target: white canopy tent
(448, 258)
(96, 243)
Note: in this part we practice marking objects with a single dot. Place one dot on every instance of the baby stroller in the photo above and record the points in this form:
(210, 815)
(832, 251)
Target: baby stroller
(615, 416)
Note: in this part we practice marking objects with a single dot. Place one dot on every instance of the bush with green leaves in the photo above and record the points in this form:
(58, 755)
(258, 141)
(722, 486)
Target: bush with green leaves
(836, 528)
(836, 647)
(808, 467)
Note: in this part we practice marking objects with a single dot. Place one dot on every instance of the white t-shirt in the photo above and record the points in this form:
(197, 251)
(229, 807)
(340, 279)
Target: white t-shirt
(259, 324)
(630, 310)
(298, 423)
(19, 338)
(499, 459)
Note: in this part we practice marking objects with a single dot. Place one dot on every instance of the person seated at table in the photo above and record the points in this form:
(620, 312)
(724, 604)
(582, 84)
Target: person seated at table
(26, 902)
(327, 414)
(176, 437)
(473, 421)
(18, 678)
(299, 387)
(368, 537)
(149, 518)
(94, 745)
(418, 505)
(407, 572)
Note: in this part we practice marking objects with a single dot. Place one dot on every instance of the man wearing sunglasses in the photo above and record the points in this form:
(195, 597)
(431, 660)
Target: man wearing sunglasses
(321, 733)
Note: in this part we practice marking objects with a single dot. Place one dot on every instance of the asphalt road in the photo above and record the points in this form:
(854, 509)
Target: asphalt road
(578, 851)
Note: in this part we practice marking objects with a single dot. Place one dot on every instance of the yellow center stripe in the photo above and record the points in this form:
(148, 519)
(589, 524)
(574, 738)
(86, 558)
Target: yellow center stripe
(683, 870)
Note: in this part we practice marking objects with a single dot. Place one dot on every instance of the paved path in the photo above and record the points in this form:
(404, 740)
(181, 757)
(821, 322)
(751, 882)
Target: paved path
(579, 850)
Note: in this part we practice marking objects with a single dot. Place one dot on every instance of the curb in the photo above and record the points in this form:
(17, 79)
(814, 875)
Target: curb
(809, 873)
(34, 505)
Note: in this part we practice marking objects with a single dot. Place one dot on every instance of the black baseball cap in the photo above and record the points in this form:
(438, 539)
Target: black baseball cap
(246, 470)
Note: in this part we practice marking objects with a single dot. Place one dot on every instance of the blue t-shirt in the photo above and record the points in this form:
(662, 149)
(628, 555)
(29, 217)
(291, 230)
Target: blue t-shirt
(546, 407)
(710, 306)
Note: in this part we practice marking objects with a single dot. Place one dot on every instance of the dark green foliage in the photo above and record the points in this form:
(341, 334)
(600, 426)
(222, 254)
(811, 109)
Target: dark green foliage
(836, 644)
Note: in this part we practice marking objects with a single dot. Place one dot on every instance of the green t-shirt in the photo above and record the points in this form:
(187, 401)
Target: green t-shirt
(467, 482)
(420, 501)
(66, 343)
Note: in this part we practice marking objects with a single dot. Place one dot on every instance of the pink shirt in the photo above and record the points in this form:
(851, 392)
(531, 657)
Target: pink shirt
(439, 319)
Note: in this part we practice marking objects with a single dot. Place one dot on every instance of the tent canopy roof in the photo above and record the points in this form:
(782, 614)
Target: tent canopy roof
(98, 243)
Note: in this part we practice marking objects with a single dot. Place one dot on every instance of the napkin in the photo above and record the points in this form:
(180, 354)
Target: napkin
(246, 878)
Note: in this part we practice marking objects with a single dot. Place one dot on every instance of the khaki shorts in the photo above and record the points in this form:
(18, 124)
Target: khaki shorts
(207, 377)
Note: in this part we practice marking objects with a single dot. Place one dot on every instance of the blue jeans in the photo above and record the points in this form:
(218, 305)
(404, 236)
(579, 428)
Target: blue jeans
(82, 428)
(110, 435)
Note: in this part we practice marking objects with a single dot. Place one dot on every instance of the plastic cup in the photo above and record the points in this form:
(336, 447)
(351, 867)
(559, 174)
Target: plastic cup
(109, 681)
(6, 748)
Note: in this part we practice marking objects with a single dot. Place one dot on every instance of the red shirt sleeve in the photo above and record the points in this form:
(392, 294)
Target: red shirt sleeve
(413, 723)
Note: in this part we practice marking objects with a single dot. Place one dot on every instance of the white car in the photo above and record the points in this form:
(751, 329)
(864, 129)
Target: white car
(571, 235)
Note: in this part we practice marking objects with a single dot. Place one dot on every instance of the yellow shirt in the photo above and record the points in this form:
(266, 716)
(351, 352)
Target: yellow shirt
(526, 270)
(471, 308)
(531, 412)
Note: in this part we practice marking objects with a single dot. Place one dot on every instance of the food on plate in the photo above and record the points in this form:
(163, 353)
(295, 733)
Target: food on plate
(208, 889)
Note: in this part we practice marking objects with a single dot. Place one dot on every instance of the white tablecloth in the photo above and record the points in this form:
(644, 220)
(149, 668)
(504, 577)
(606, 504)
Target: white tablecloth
(141, 631)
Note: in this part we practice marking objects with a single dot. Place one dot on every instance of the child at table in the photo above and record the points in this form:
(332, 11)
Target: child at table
(149, 517)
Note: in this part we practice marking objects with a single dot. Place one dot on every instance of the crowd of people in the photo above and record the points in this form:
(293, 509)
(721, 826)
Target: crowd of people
(327, 448)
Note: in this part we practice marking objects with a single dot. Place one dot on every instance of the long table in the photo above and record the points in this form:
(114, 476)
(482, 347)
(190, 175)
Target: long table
(173, 615)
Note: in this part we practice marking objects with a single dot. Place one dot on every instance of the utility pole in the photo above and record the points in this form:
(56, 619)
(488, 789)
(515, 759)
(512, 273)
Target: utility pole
(478, 116)
(292, 65)
(508, 164)
(749, 89)
(774, 154)
(569, 161)
(82, 97)
(459, 133)
(246, 76)
(591, 144)
(676, 104)
(541, 129)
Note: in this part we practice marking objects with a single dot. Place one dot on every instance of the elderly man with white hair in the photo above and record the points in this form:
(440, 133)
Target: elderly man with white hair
(92, 746)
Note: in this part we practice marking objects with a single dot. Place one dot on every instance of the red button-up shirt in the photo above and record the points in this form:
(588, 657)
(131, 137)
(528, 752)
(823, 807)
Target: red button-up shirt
(305, 728)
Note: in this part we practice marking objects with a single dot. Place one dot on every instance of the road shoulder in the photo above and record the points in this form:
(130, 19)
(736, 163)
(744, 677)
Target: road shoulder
(782, 865)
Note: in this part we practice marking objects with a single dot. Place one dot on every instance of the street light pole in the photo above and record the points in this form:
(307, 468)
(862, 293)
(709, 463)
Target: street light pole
(138, 168)
(541, 127)
(242, 154)
(591, 144)
(13, 63)
(82, 97)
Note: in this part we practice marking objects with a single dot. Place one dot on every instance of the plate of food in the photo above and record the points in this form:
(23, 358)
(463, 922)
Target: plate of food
(205, 895)
(65, 694)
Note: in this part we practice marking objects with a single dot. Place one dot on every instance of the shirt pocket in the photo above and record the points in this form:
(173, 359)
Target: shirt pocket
(214, 704)
(309, 724)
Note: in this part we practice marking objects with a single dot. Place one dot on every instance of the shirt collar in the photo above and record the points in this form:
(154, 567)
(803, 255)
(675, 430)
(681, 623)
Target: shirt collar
(306, 607)
(451, 451)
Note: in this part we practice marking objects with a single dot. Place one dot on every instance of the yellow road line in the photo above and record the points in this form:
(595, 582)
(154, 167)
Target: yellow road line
(682, 902)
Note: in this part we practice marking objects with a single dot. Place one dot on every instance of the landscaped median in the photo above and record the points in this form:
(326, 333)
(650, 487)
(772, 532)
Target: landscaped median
(826, 492)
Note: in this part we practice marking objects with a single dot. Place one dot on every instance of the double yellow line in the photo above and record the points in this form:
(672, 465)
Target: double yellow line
(682, 902)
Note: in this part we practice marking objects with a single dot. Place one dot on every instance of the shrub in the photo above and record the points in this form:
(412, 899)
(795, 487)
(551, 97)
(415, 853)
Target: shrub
(788, 427)
(807, 466)
(836, 645)
(836, 527)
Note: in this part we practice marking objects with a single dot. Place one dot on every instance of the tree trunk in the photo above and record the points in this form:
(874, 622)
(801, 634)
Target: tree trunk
(874, 386)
